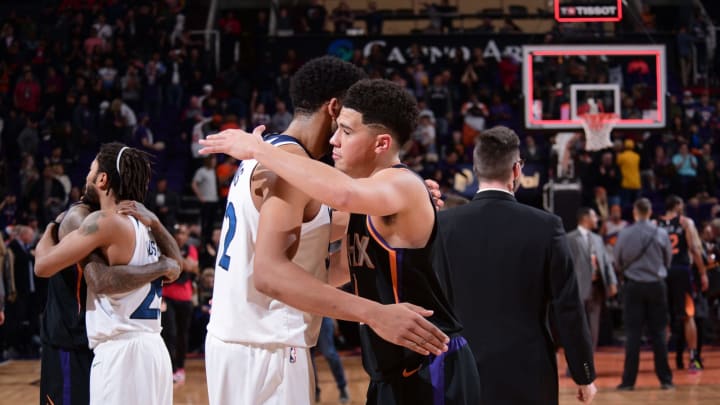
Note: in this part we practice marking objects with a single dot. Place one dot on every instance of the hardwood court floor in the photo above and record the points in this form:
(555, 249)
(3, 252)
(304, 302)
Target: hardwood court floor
(19, 382)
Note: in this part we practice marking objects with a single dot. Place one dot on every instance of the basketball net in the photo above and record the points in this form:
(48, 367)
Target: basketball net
(598, 127)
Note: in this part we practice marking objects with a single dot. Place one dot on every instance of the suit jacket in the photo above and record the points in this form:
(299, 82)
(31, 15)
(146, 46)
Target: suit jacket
(583, 267)
(23, 265)
(505, 265)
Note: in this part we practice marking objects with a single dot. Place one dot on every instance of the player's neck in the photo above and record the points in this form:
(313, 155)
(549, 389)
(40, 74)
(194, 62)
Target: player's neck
(382, 162)
(312, 131)
(107, 202)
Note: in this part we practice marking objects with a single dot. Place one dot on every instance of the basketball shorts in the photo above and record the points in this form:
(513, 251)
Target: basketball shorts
(448, 379)
(245, 374)
(65, 376)
(133, 368)
(680, 292)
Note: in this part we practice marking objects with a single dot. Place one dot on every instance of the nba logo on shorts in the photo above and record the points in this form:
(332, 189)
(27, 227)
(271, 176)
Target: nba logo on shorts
(293, 355)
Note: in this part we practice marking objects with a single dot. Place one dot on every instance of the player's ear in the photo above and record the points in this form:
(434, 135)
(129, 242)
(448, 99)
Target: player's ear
(383, 142)
(334, 108)
(102, 180)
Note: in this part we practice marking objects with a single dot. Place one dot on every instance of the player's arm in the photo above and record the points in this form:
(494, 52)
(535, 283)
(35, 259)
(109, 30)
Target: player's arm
(95, 231)
(104, 279)
(339, 269)
(382, 194)
(277, 276)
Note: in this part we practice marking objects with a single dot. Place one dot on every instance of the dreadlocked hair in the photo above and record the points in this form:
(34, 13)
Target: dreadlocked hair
(133, 178)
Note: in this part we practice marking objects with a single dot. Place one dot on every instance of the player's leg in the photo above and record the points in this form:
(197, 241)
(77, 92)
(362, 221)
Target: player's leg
(326, 345)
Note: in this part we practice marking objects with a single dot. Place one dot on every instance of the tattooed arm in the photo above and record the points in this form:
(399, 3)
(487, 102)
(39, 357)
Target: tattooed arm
(104, 279)
(97, 230)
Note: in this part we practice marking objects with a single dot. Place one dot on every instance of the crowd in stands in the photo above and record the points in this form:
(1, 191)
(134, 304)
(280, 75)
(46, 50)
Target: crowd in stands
(75, 77)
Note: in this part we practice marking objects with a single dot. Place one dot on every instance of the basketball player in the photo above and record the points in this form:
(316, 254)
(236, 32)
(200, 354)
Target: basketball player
(388, 240)
(685, 244)
(131, 363)
(66, 357)
(270, 273)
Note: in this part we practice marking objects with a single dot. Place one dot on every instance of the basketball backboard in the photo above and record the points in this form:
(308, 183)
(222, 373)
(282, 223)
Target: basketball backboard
(562, 82)
(571, 11)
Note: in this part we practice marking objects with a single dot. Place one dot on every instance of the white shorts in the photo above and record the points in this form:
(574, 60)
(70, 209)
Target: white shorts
(132, 369)
(257, 375)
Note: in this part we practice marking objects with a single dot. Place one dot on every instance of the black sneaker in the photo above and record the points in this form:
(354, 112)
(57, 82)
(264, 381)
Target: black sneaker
(625, 387)
(667, 386)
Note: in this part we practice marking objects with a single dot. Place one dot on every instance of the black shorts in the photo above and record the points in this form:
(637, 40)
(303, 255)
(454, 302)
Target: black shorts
(65, 376)
(680, 292)
(448, 379)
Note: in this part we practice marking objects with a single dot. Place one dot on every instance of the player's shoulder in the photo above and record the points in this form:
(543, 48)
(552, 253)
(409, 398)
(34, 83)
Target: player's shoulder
(103, 221)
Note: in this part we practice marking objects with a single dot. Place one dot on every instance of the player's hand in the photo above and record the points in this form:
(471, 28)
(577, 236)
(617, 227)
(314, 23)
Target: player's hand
(139, 211)
(172, 270)
(586, 393)
(405, 325)
(434, 189)
(233, 142)
(704, 282)
(612, 290)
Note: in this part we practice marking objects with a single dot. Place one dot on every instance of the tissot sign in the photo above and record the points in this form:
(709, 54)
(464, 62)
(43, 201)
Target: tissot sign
(587, 12)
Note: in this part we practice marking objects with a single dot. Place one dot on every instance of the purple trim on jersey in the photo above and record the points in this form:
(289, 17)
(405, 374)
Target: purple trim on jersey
(437, 370)
(66, 373)
(379, 237)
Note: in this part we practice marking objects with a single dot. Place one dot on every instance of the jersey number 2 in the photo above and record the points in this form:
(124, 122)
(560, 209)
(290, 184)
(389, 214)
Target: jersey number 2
(144, 311)
(232, 221)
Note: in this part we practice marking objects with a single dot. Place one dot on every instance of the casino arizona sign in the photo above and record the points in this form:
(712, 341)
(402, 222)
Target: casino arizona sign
(400, 53)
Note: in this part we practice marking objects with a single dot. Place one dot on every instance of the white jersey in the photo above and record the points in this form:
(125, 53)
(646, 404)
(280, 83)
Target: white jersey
(111, 315)
(240, 313)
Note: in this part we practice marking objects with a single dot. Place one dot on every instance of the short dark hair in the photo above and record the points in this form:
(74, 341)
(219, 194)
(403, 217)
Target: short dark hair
(131, 181)
(495, 152)
(582, 212)
(384, 103)
(320, 80)
(643, 206)
(672, 201)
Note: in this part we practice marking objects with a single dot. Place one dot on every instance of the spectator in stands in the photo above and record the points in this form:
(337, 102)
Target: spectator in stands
(177, 299)
(23, 309)
(144, 139)
(164, 202)
(629, 163)
(686, 171)
(342, 17)
(281, 119)
(439, 101)
(611, 228)
(373, 19)
(204, 185)
(315, 16)
(609, 178)
(27, 93)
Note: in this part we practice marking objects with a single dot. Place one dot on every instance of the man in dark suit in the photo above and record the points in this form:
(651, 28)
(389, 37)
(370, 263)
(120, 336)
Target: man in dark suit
(23, 322)
(506, 265)
(593, 268)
